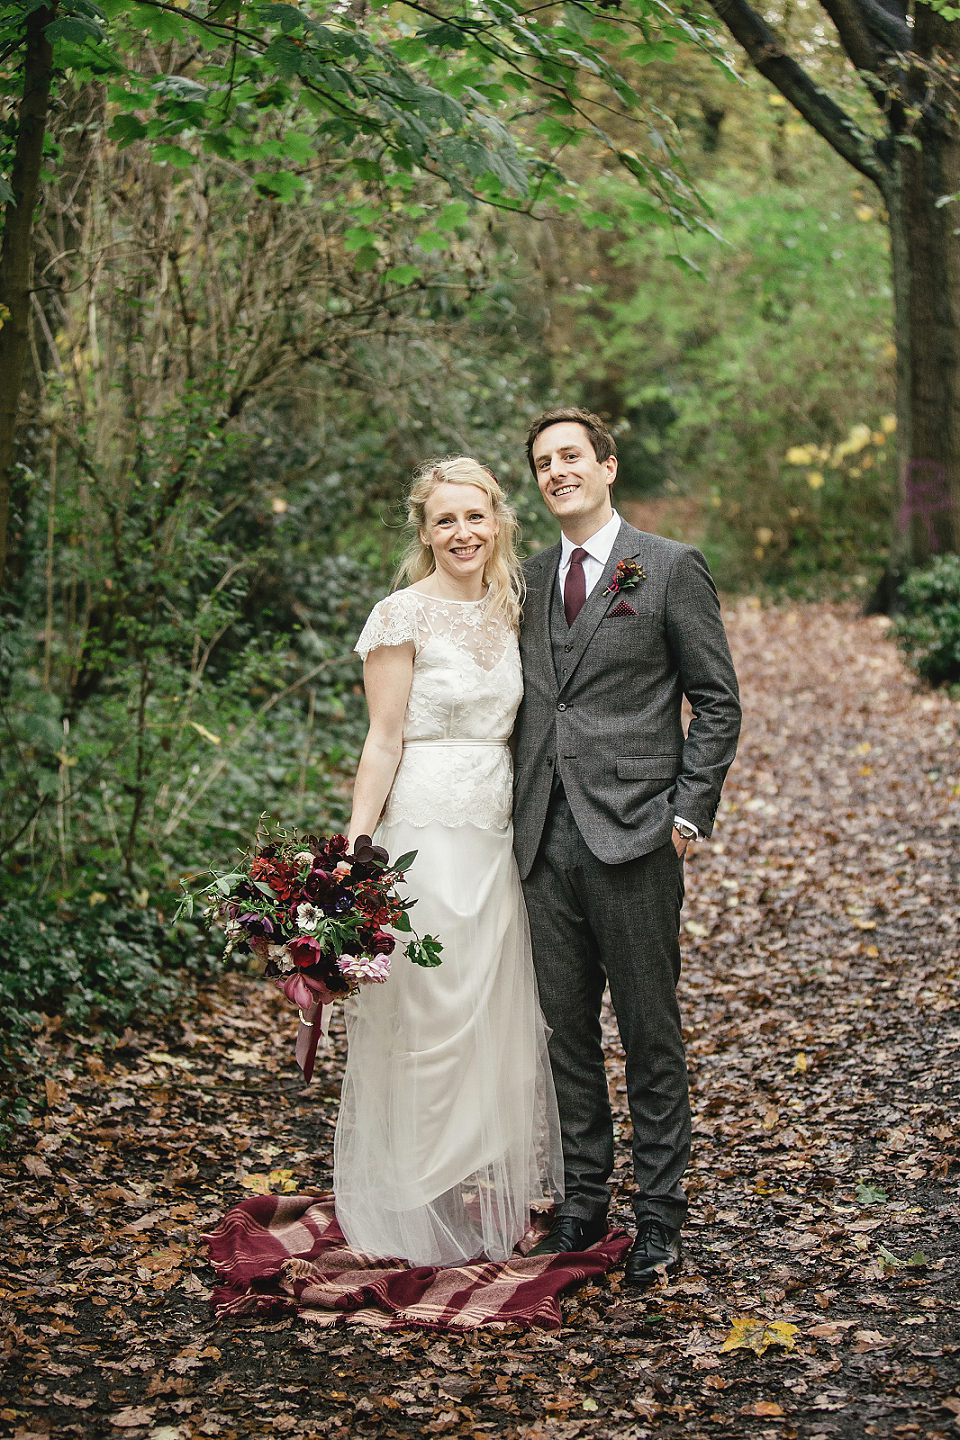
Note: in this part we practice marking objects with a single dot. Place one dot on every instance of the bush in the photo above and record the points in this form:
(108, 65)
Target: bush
(100, 968)
(928, 627)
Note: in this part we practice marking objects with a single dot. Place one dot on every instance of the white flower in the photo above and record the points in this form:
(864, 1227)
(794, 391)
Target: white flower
(281, 957)
(304, 857)
(233, 930)
(308, 917)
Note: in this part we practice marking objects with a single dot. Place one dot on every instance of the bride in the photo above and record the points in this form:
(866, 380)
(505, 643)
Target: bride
(448, 1128)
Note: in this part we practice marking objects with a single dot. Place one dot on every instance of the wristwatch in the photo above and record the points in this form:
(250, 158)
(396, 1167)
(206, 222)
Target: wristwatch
(685, 830)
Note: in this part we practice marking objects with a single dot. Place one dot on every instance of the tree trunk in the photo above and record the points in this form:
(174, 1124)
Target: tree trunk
(16, 251)
(916, 167)
(926, 278)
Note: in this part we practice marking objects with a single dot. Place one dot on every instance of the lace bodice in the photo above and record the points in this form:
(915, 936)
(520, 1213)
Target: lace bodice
(466, 688)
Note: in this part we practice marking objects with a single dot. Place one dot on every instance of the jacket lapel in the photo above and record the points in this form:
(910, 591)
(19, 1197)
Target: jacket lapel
(627, 545)
(538, 620)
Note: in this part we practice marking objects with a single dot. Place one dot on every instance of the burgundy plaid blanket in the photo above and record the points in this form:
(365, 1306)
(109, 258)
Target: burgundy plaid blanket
(286, 1252)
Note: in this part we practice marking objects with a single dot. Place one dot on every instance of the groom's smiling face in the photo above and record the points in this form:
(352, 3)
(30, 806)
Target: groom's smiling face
(575, 485)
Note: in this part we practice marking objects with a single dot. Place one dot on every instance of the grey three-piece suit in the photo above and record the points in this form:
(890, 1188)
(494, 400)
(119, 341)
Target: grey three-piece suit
(602, 767)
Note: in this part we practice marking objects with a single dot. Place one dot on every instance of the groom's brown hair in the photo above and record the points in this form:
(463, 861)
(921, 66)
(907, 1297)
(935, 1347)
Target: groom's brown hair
(602, 441)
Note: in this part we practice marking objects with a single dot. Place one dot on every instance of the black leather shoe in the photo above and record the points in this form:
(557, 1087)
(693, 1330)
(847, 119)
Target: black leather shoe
(655, 1252)
(568, 1234)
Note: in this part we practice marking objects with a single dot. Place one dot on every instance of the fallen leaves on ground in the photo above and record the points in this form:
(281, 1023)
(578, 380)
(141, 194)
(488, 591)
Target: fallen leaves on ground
(749, 1333)
(820, 1003)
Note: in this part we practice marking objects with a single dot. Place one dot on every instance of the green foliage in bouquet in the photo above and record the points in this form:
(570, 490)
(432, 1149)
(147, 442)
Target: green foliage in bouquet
(314, 912)
(928, 627)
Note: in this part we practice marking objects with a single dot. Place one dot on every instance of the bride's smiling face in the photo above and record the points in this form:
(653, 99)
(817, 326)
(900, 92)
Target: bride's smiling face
(460, 528)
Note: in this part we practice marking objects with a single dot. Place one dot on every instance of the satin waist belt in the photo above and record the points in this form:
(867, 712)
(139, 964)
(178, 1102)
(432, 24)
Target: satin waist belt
(501, 743)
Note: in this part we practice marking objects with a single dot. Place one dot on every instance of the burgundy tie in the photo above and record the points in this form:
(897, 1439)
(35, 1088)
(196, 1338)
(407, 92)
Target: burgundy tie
(575, 589)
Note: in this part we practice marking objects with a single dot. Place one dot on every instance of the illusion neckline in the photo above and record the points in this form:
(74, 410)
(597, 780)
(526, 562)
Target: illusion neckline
(442, 600)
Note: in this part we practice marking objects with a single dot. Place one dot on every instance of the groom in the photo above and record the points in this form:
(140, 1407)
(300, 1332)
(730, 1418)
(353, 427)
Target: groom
(618, 626)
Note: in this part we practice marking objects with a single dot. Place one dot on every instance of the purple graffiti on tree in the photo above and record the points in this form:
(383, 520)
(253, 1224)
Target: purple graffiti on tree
(926, 494)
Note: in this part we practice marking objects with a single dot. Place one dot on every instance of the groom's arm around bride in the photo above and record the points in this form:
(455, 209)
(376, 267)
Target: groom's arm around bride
(618, 625)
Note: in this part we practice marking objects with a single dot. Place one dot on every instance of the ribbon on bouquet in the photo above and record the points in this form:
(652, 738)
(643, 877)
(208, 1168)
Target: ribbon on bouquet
(314, 1004)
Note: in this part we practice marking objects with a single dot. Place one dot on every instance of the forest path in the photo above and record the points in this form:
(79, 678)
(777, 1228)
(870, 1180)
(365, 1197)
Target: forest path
(820, 1003)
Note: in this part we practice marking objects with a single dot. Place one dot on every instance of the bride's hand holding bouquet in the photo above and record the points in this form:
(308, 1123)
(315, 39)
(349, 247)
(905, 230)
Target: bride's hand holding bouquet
(315, 913)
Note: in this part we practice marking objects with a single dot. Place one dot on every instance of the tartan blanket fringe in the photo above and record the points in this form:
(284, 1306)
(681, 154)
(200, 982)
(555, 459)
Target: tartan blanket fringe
(286, 1253)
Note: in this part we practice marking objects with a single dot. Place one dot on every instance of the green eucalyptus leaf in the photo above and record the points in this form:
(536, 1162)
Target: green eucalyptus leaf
(425, 952)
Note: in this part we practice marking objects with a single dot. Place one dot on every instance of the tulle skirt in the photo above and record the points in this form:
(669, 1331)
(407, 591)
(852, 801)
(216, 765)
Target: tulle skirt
(448, 1128)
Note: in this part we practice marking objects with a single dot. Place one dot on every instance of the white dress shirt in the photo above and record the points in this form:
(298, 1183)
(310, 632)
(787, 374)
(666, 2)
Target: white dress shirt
(598, 549)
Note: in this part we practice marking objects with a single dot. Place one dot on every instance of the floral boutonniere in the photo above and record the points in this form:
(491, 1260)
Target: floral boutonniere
(627, 576)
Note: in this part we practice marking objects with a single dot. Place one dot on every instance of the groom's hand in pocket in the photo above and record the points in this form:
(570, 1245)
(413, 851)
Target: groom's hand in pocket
(680, 842)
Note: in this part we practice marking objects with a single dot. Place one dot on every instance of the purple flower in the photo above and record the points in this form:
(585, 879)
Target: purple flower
(256, 924)
(304, 990)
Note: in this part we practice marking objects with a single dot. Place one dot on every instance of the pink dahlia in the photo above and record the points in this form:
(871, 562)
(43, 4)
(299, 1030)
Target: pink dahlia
(364, 969)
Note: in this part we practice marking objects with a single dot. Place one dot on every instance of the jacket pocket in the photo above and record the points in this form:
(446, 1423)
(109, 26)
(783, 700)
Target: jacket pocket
(644, 615)
(648, 767)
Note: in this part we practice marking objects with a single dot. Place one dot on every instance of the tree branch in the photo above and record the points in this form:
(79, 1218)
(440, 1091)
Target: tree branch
(854, 35)
(886, 26)
(825, 116)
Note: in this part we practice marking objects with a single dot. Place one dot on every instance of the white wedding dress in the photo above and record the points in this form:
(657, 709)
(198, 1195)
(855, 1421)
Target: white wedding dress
(448, 1128)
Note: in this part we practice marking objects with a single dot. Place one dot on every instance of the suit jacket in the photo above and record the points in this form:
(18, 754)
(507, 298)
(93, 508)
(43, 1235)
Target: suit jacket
(607, 714)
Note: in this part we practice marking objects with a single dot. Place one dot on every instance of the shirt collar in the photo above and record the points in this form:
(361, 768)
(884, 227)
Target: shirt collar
(598, 546)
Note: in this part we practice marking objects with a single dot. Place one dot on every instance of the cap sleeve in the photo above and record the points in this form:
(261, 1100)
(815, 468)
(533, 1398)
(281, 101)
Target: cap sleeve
(392, 621)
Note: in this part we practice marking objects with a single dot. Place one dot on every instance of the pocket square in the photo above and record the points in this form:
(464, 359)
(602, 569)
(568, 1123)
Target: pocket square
(621, 610)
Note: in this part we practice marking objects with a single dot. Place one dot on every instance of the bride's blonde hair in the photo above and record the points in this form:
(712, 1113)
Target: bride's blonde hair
(502, 571)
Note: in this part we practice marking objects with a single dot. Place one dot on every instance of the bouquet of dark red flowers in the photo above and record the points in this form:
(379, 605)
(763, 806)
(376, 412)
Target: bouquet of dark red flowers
(315, 915)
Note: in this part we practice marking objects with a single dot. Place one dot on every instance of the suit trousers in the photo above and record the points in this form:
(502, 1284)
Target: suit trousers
(591, 924)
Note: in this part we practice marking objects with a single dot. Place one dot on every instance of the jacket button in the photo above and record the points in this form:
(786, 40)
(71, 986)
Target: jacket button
(561, 706)
(568, 647)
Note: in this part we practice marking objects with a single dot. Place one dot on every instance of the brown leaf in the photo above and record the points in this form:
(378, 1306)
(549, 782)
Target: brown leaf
(831, 1329)
(180, 1173)
(166, 1280)
(761, 1407)
(120, 1194)
(37, 1167)
(133, 1416)
(194, 1286)
(869, 1340)
(168, 1259)
(169, 1385)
